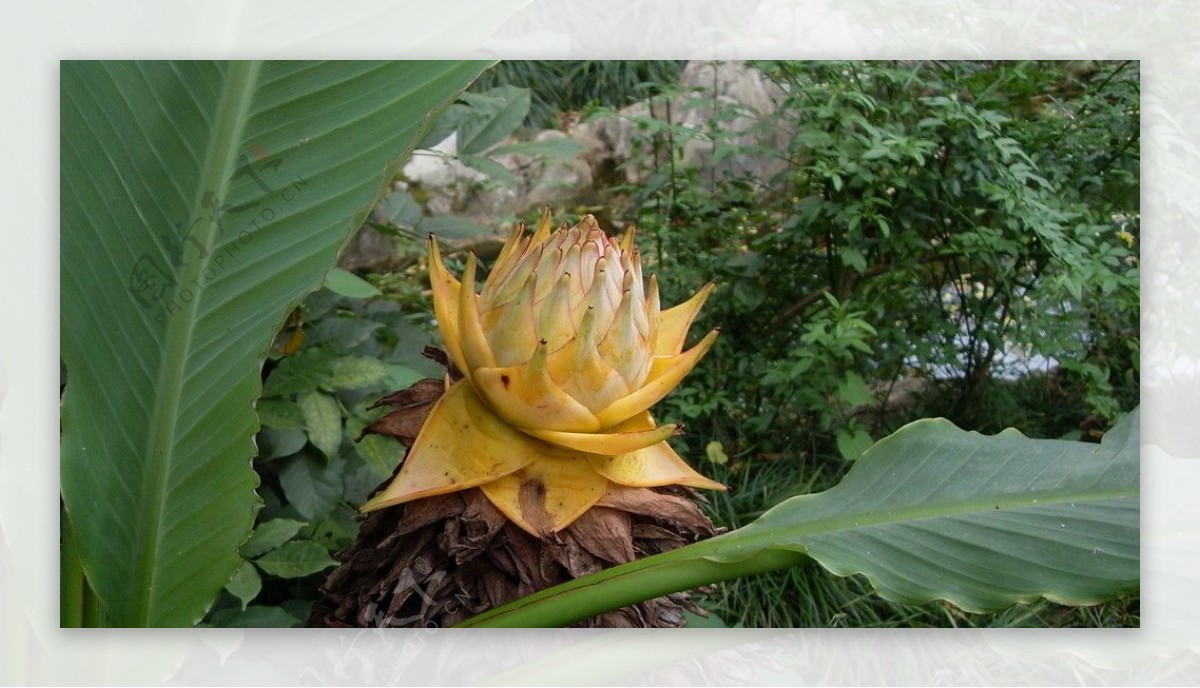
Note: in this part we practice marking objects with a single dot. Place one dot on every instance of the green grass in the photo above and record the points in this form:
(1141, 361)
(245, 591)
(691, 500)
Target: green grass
(811, 597)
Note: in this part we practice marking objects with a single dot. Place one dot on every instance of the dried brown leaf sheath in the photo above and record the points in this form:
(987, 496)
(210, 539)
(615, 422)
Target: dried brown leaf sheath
(439, 560)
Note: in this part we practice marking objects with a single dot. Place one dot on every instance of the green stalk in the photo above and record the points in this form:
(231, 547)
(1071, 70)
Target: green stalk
(78, 606)
(71, 585)
(683, 569)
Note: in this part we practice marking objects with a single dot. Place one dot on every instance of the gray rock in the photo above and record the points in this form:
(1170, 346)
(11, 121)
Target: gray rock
(617, 149)
(733, 87)
(737, 95)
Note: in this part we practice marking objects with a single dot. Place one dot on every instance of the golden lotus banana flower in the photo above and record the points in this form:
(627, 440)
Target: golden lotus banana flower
(563, 352)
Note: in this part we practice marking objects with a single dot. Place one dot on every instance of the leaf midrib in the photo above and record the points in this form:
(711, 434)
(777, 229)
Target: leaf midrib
(751, 539)
(216, 174)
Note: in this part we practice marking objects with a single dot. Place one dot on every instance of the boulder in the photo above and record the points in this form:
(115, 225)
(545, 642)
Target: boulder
(739, 98)
(447, 186)
(729, 97)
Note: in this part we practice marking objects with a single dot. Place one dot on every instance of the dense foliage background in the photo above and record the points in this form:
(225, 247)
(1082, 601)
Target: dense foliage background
(951, 239)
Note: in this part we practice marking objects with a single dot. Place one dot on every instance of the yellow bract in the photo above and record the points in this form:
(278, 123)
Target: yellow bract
(563, 352)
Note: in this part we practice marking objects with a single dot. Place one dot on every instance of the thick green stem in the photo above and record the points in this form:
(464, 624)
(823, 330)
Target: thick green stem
(627, 584)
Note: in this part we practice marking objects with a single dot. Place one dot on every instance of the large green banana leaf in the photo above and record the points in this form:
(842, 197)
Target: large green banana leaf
(931, 512)
(200, 202)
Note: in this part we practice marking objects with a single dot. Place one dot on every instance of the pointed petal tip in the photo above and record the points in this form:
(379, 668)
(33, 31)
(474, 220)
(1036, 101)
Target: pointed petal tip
(461, 445)
(477, 352)
(627, 239)
(675, 322)
(654, 466)
(386, 498)
(706, 484)
(374, 504)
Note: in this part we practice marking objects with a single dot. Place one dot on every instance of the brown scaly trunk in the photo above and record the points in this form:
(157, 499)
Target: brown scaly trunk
(439, 560)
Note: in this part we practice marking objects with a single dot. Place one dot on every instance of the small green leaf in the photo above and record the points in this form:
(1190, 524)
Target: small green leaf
(399, 209)
(296, 560)
(853, 258)
(347, 283)
(342, 333)
(445, 125)
(995, 118)
(335, 533)
(322, 421)
(350, 372)
(853, 390)
(453, 227)
(875, 153)
(312, 487)
(491, 168)
(883, 225)
(269, 535)
(400, 376)
(852, 442)
(298, 607)
(255, 616)
(748, 294)
(1074, 285)
(360, 482)
(696, 621)
(274, 442)
(716, 453)
(305, 371)
(280, 413)
(245, 584)
(557, 147)
(381, 453)
(495, 114)
(811, 138)
(356, 423)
